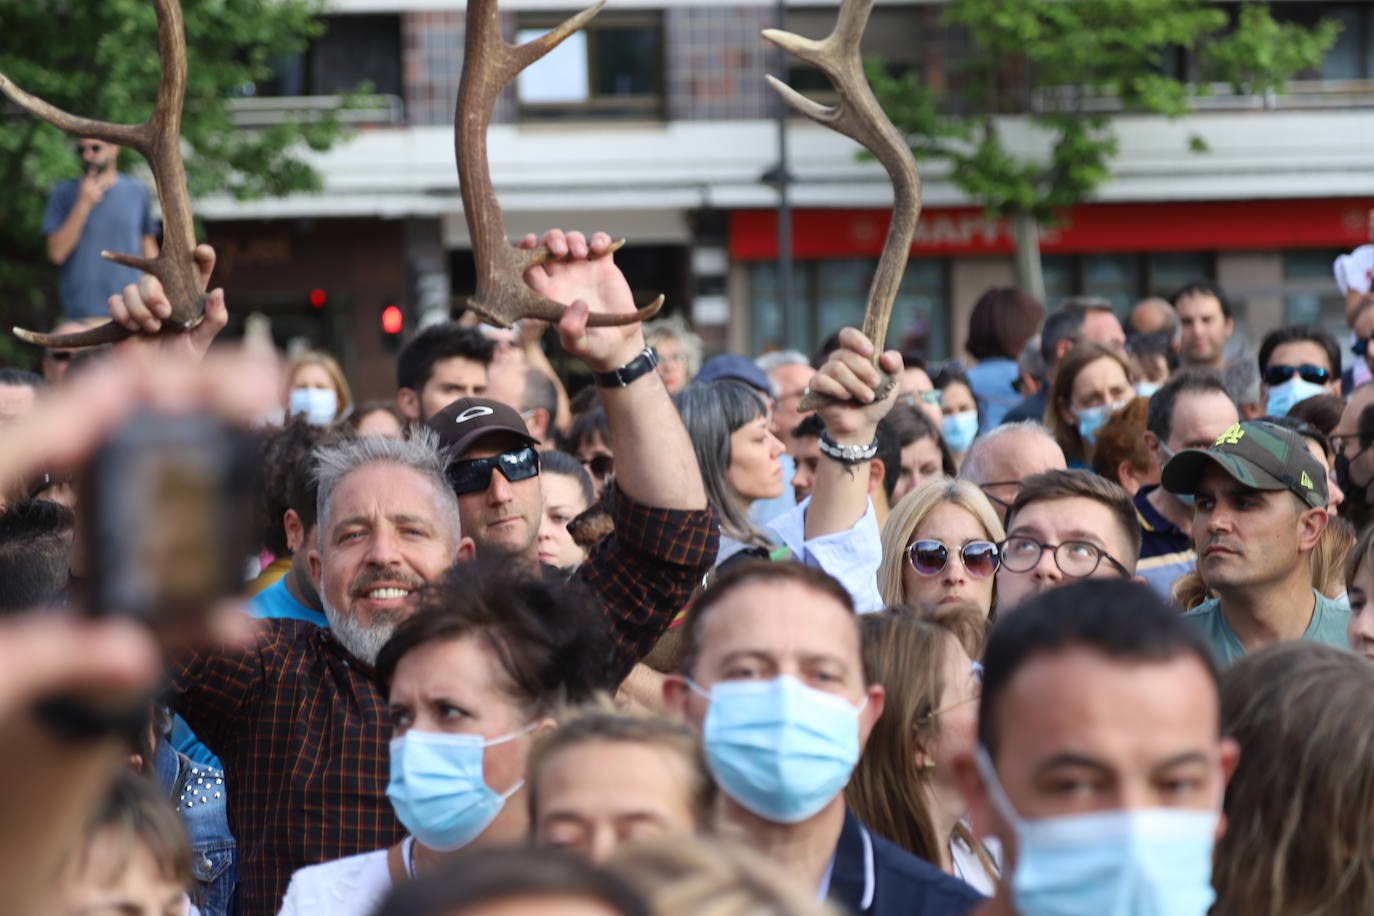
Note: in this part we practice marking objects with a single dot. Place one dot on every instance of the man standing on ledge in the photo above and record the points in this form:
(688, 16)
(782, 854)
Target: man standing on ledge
(100, 211)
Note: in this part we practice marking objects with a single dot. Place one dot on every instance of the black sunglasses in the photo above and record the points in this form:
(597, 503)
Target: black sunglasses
(83, 148)
(928, 558)
(474, 474)
(601, 466)
(1277, 375)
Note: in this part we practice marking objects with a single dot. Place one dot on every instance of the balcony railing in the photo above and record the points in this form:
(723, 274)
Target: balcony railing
(368, 110)
(1301, 95)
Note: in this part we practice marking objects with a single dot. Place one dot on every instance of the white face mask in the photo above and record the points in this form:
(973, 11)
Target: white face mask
(318, 405)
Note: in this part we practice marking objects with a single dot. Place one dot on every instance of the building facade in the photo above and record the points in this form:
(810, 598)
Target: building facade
(656, 124)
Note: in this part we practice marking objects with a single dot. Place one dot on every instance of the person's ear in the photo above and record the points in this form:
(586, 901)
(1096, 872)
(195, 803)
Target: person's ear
(877, 471)
(876, 697)
(1230, 759)
(295, 531)
(675, 694)
(316, 569)
(974, 792)
(467, 550)
(538, 424)
(408, 402)
(1062, 347)
(1152, 445)
(1127, 477)
(1311, 524)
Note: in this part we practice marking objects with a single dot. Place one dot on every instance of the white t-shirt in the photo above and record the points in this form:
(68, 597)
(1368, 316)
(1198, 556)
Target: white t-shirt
(969, 868)
(344, 887)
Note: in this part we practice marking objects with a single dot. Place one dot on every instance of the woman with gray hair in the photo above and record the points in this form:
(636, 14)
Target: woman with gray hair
(679, 351)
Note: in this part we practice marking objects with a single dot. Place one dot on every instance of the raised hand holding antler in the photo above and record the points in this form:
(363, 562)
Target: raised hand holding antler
(489, 63)
(158, 139)
(860, 117)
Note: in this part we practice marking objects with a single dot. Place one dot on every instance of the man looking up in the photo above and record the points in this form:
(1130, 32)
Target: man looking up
(1207, 325)
(443, 363)
(772, 676)
(1260, 500)
(1189, 411)
(1065, 525)
(998, 461)
(1297, 362)
(100, 211)
(1101, 766)
(1076, 319)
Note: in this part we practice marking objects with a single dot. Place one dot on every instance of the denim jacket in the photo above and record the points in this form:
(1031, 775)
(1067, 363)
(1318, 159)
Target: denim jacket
(201, 798)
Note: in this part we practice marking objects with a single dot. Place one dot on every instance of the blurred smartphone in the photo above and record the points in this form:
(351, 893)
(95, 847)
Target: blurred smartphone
(168, 517)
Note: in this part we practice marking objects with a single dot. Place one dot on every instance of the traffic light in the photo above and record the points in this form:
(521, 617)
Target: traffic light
(317, 298)
(393, 323)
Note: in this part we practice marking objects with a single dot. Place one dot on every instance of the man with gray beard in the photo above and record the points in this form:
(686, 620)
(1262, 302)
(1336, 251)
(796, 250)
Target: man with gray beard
(296, 717)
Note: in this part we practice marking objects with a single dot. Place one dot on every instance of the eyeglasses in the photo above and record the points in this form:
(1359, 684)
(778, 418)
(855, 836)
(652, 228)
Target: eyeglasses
(84, 148)
(1075, 559)
(929, 557)
(1277, 375)
(1339, 441)
(474, 475)
(1004, 503)
(977, 676)
(600, 466)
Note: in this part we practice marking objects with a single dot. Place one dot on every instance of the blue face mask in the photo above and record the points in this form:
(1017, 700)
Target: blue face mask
(1145, 389)
(1129, 862)
(779, 748)
(959, 430)
(437, 790)
(317, 405)
(1090, 420)
(1283, 397)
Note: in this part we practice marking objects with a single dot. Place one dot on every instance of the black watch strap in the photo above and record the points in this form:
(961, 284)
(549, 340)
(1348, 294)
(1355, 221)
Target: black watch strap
(623, 376)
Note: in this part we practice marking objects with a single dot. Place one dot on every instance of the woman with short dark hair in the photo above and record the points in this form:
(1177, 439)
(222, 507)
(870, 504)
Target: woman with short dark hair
(472, 676)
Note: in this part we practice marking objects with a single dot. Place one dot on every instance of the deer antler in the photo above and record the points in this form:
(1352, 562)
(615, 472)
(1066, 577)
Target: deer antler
(860, 117)
(489, 63)
(159, 140)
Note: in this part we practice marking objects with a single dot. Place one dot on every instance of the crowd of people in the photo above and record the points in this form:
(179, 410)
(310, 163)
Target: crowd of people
(1077, 625)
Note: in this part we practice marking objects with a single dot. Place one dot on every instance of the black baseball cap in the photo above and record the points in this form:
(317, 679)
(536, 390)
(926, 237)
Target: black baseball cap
(466, 420)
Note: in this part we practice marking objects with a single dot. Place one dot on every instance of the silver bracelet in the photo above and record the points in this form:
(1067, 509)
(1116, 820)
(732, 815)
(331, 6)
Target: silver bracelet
(847, 454)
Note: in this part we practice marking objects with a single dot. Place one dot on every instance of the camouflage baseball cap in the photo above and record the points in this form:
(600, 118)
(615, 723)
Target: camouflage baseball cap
(1259, 455)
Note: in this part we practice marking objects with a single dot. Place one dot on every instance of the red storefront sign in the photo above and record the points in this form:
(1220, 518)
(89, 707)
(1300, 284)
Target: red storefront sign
(1177, 226)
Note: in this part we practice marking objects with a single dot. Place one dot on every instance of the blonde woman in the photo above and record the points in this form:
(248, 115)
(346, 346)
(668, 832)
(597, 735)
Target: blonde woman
(904, 787)
(316, 388)
(940, 546)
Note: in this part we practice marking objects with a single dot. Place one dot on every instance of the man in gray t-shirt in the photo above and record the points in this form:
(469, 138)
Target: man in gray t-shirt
(1260, 507)
(101, 211)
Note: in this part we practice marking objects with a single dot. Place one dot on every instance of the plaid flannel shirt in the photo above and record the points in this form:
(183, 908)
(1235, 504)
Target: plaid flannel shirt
(301, 726)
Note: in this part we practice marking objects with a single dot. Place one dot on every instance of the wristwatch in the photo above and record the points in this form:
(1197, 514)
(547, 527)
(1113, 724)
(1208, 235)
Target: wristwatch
(847, 454)
(624, 375)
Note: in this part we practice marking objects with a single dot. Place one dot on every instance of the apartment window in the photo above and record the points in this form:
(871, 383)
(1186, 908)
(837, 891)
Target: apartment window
(353, 51)
(905, 37)
(1352, 55)
(828, 295)
(612, 68)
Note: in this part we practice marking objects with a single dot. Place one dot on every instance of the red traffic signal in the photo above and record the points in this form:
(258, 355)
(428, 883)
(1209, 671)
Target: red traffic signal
(392, 320)
(318, 298)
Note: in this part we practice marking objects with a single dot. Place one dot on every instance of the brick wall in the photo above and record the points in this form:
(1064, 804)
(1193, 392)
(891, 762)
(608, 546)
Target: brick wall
(715, 61)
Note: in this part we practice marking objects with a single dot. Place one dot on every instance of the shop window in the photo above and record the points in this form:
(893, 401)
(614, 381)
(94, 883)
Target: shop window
(828, 295)
(612, 68)
(1123, 279)
(1310, 295)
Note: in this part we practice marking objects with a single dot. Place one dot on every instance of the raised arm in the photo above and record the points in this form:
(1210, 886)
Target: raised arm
(654, 461)
(840, 494)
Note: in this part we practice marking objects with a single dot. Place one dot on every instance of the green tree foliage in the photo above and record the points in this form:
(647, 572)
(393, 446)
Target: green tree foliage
(99, 58)
(1070, 65)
